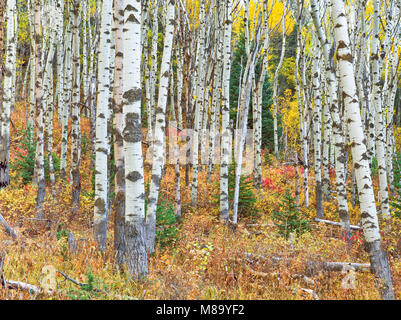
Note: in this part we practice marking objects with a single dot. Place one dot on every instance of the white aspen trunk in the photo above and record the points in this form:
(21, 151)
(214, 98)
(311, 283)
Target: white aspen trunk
(337, 145)
(325, 158)
(119, 200)
(102, 141)
(225, 111)
(299, 79)
(259, 95)
(48, 101)
(50, 28)
(60, 58)
(159, 144)
(135, 229)
(317, 133)
(244, 110)
(31, 117)
(153, 70)
(76, 114)
(378, 258)
(392, 90)
(198, 101)
(377, 100)
(85, 52)
(216, 98)
(275, 88)
(25, 82)
(66, 102)
(39, 162)
(9, 66)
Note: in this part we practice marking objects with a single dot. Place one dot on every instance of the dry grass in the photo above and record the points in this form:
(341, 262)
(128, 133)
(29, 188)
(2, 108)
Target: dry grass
(209, 261)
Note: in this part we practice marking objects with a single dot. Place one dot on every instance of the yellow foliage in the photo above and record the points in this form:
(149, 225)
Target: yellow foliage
(288, 107)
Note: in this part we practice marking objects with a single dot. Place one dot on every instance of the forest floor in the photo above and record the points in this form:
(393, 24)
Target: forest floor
(206, 259)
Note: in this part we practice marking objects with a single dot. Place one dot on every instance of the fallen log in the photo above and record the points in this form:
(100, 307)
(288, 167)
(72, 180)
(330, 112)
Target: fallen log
(311, 292)
(311, 267)
(338, 224)
(10, 284)
(7, 228)
(344, 266)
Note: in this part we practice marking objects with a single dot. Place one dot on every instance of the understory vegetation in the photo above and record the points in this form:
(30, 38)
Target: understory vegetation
(198, 257)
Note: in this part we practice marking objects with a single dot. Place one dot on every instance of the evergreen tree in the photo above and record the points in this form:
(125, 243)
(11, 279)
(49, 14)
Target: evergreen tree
(236, 76)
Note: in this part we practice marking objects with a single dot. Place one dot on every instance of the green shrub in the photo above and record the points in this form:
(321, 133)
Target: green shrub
(246, 199)
(24, 162)
(289, 218)
(167, 231)
(91, 289)
(396, 202)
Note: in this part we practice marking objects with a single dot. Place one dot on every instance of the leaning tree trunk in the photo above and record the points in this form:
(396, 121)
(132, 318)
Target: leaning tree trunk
(377, 101)
(159, 144)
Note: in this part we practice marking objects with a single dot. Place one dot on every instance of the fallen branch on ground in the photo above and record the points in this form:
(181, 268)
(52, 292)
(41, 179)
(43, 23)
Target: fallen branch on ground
(7, 227)
(10, 284)
(81, 284)
(338, 224)
(312, 267)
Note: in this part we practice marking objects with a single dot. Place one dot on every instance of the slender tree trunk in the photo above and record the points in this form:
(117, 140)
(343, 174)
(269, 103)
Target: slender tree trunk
(119, 200)
(9, 66)
(39, 161)
(76, 114)
(159, 145)
(102, 115)
(378, 258)
(225, 111)
(317, 119)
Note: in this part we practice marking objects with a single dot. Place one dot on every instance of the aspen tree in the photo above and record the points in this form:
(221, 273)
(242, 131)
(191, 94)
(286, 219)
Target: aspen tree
(119, 200)
(102, 114)
(337, 145)
(216, 96)
(39, 160)
(50, 27)
(198, 100)
(75, 110)
(317, 120)
(225, 112)
(377, 101)
(159, 144)
(135, 228)
(378, 259)
(153, 69)
(275, 86)
(9, 66)
(257, 121)
(60, 57)
(245, 100)
(85, 51)
(66, 101)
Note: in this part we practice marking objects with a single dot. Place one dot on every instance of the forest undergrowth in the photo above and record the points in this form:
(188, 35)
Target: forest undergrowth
(199, 257)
